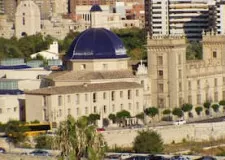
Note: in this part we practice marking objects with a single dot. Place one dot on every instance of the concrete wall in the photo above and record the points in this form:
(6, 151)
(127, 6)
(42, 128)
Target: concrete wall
(197, 132)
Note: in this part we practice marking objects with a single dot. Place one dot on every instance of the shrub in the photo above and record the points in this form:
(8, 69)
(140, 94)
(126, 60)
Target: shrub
(148, 142)
(207, 104)
(198, 110)
(215, 107)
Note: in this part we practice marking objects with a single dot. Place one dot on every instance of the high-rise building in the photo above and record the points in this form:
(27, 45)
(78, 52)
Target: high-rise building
(189, 17)
(220, 23)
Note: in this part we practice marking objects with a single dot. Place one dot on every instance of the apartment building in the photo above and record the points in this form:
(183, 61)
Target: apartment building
(189, 17)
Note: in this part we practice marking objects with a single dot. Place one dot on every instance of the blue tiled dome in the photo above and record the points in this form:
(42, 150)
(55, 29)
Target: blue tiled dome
(96, 43)
(95, 8)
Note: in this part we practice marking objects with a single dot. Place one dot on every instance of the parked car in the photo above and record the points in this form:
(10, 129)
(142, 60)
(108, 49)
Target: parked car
(100, 129)
(138, 158)
(2, 150)
(125, 155)
(154, 157)
(179, 157)
(179, 122)
(39, 153)
(206, 158)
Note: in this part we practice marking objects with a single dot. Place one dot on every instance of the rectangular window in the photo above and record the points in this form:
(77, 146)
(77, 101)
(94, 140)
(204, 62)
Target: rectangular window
(179, 73)
(180, 86)
(104, 109)
(214, 54)
(95, 109)
(198, 84)
(77, 99)
(121, 94)
(86, 110)
(137, 93)
(69, 111)
(121, 107)
(94, 97)
(179, 59)
(15, 109)
(137, 106)
(113, 95)
(216, 96)
(86, 97)
(198, 99)
(190, 99)
(78, 111)
(105, 66)
(160, 88)
(189, 85)
(59, 100)
(60, 113)
(129, 94)
(223, 94)
(160, 60)
(44, 101)
(215, 82)
(113, 107)
(104, 95)
(160, 74)
(161, 102)
(129, 106)
(180, 101)
(68, 99)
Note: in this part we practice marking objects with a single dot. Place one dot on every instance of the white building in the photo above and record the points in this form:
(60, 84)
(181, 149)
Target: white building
(27, 19)
(51, 53)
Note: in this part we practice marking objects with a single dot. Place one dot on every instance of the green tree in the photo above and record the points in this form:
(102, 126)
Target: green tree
(198, 110)
(151, 111)
(187, 107)
(140, 116)
(194, 50)
(77, 139)
(15, 131)
(122, 115)
(134, 41)
(92, 118)
(222, 102)
(44, 142)
(215, 107)
(167, 116)
(148, 142)
(177, 112)
(207, 104)
(112, 117)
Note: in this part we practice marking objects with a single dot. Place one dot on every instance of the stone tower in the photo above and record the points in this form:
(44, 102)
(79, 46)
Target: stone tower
(213, 47)
(166, 70)
(28, 20)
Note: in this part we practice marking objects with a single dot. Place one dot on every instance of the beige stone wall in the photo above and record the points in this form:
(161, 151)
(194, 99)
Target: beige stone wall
(10, 107)
(197, 132)
(84, 106)
(99, 65)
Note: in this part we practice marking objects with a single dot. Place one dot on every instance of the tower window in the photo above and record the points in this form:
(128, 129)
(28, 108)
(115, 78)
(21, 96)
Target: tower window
(214, 54)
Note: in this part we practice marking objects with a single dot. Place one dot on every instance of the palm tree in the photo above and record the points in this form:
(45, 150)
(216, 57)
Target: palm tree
(77, 139)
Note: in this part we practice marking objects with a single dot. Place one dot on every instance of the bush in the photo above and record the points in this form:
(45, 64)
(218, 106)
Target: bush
(207, 104)
(177, 112)
(198, 110)
(187, 107)
(222, 102)
(166, 111)
(44, 142)
(215, 107)
(148, 142)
